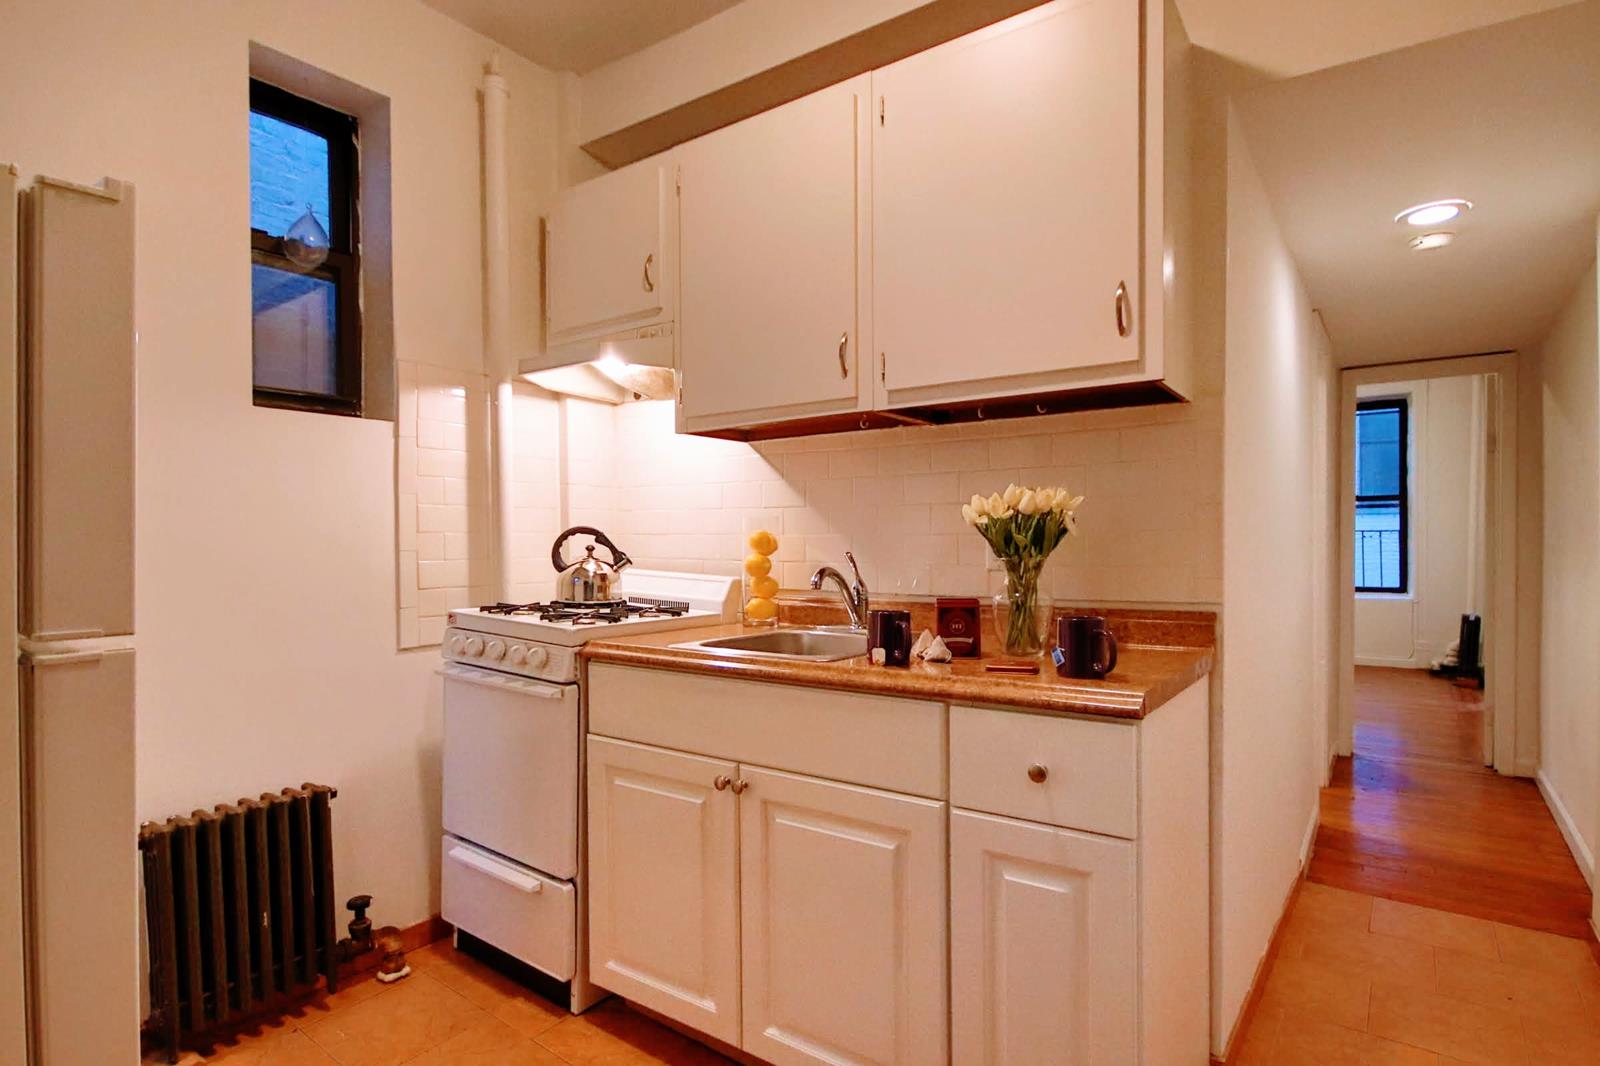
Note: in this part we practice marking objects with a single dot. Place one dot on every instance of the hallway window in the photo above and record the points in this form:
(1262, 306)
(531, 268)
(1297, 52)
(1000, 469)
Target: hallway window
(1381, 496)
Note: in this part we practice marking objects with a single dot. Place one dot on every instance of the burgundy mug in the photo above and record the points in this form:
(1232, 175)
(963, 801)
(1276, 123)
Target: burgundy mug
(1085, 647)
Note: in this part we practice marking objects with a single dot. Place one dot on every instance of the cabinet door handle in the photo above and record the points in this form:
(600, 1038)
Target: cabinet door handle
(739, 787)
(649, 282)
(722, 782)
(1037, 773)
(844, 342)
(1124, 310)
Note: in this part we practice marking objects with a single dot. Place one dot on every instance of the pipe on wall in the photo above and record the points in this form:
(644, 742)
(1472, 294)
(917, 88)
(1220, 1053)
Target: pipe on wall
(499, 362)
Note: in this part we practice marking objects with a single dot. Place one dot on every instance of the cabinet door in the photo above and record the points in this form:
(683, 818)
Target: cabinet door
(1006, 202)
(1044, 956)
(608, 263)
(663, 888)
(770, 323)
(843, 913)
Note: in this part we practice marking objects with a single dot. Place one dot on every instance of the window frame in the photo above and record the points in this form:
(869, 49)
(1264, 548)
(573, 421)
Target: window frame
(343, 264)
(1401, 405)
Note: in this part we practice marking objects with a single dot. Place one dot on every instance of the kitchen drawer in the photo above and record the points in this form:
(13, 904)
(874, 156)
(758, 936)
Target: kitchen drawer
(515, 908)
(1090, 769)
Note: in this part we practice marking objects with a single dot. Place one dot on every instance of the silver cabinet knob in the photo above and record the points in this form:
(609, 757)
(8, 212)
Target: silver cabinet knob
(722, 782)
(1037, 773)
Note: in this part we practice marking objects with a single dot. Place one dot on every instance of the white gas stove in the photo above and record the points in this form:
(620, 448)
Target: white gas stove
(512, 874)
(539, 640)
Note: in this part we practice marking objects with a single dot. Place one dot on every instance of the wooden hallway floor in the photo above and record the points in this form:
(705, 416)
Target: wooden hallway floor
(1414, 816)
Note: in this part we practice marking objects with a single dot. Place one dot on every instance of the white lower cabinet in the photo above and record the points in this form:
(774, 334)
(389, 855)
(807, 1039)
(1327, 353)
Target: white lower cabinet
(842, 911)
(663, 883)
(839, 891)
(1044, 950)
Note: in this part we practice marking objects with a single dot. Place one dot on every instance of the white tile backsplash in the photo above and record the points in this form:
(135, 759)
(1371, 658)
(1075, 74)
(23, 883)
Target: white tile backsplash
(1151, 525)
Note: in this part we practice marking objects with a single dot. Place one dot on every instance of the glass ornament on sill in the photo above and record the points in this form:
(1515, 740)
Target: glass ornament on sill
(306, 244)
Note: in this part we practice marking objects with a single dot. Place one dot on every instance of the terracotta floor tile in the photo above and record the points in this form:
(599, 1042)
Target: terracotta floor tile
(1438, 928)
(1573, 1040)
(613, 1035)
(1255, 1043)
(415, 1015)
(527, 1012)
(1531, 993)
(1376, 1051)
(291, 1048)
(1468, 1031)
(1324, 905)
(488, 1043)
(1545, 951)
(1374, 955)
(323, 1004)
(1305, 990)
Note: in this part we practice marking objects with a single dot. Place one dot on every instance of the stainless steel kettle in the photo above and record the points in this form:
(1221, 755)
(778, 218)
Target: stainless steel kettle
(589, 580)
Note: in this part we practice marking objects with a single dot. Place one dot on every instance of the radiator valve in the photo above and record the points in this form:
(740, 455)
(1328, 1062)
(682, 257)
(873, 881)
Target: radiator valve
(359, 942)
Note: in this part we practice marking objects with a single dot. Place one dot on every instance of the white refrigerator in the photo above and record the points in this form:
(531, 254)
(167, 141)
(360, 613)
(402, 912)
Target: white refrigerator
(68, 758)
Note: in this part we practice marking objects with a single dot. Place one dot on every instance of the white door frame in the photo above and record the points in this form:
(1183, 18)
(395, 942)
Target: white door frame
(1501, 532)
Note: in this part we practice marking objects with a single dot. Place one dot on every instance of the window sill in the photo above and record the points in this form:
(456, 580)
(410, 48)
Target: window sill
(1385, 596)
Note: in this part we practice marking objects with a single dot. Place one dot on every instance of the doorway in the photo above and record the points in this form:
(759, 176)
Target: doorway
(1428, 536)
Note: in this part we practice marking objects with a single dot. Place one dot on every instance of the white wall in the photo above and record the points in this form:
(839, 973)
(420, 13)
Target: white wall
(1446, 527)
(1277, 371)
(1569, 720)
(267, 538)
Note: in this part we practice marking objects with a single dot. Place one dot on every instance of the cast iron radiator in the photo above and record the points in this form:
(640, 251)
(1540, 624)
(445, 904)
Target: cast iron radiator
(240, 910)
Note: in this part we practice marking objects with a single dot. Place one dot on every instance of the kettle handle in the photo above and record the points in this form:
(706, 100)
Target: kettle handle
(619, 558)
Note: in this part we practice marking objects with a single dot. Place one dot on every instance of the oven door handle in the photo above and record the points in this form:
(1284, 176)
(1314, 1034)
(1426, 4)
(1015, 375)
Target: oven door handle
(505, 683)
(498, 870)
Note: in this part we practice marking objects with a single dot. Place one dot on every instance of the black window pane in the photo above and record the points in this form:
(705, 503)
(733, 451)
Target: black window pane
(295, 330)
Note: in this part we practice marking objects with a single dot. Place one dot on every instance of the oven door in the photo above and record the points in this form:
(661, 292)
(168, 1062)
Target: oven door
(511, 766)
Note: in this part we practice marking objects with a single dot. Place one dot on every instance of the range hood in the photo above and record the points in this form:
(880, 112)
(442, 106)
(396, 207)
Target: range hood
(615, 368)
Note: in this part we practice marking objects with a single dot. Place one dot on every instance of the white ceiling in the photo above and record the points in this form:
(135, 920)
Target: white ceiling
(578, 35)
(1287, 38)
(1508, 117)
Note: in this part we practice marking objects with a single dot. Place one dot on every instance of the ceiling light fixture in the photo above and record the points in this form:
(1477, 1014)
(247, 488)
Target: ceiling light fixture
(1433, 212)
(1429, 241)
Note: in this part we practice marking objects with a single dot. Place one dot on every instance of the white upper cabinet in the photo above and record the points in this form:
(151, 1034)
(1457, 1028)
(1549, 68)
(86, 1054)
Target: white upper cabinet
(773, 309)
(1006, 205)
(610, 252)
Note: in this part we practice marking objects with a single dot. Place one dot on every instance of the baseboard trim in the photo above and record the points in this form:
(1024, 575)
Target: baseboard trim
(1252, 999)
(1569, 829)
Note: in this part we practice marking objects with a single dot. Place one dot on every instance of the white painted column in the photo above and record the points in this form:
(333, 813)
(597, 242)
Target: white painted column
(499, 362)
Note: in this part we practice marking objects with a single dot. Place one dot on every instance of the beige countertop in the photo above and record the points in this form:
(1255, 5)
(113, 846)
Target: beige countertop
(1147, 675)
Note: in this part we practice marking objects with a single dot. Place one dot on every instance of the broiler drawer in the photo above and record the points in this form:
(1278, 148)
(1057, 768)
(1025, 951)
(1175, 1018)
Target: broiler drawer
(517, 909)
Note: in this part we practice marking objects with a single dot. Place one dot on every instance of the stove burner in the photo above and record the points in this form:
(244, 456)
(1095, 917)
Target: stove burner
(589, 614)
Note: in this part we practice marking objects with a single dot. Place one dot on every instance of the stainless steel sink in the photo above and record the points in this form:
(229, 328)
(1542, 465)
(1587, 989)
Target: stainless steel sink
(819, 645)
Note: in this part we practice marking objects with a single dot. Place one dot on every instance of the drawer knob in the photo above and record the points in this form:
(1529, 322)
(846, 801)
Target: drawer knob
(722, 782)
(1037, 773)
(739, 787)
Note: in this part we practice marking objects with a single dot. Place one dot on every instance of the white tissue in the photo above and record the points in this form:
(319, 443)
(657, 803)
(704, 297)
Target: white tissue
(937, 651)
(879, 656)
(924, 640)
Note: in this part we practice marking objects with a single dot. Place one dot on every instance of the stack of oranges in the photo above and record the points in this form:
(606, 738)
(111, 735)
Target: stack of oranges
(762, 606)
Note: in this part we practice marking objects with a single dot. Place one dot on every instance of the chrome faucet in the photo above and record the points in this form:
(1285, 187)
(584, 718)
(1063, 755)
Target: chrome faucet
(855, 596)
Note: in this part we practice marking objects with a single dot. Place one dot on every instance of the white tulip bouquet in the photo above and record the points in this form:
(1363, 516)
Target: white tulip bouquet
(1023, 526)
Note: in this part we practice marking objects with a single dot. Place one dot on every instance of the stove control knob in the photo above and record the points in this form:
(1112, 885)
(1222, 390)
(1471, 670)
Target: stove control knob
(455, 646)
(519, 654)
(495, 650)
(537, 656)
(474, 647)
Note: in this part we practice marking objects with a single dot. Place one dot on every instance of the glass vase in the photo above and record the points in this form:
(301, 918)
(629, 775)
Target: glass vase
(760, 573)
(1022, 611)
